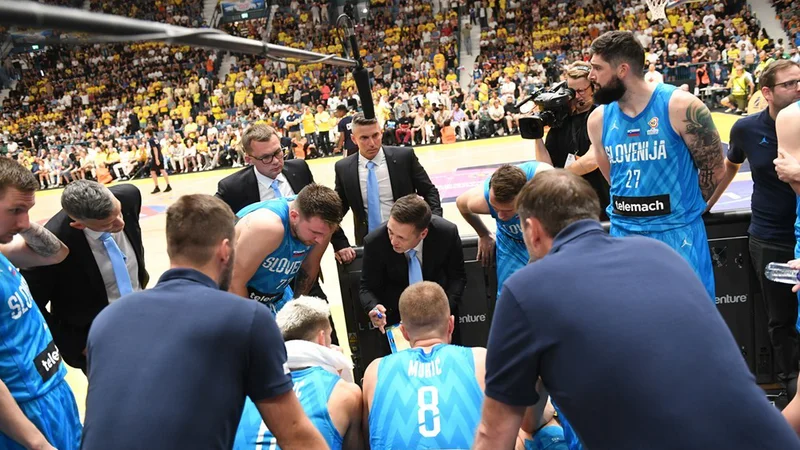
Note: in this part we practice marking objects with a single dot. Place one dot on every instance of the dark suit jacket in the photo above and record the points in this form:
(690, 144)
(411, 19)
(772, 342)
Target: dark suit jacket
(240, 189)
(75, 288)
(384, 273)
(406, 175)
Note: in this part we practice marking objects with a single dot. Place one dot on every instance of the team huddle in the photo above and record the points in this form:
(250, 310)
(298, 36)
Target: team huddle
(657, 146)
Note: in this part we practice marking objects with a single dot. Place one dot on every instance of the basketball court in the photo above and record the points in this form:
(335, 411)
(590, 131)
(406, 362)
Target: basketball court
(453, 169)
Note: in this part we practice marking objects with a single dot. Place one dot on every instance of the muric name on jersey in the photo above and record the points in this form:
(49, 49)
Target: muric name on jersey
(637, 152)
(424, 369)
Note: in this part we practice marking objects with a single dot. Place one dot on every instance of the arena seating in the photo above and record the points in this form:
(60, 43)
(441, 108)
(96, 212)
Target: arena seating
(410, 48)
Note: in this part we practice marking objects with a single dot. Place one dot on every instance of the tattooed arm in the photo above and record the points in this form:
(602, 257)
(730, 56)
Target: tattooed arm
(692, 120)
(34, 247)
(309, 270)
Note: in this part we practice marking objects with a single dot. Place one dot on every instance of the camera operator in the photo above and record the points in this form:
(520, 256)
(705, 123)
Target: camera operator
(567, 145)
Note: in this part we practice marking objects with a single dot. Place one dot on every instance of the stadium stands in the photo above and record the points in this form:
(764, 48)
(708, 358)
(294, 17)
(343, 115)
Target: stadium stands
(75, 99)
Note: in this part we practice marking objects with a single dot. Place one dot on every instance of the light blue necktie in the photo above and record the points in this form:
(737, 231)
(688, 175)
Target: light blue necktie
(414, 268)
(373, 197)
(276, 189)
(118, 264)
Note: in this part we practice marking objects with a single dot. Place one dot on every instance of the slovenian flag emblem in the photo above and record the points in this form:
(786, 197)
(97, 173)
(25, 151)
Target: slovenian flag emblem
(298, 253)
(634, 133)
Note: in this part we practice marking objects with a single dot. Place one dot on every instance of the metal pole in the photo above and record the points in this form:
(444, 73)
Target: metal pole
(37, 15)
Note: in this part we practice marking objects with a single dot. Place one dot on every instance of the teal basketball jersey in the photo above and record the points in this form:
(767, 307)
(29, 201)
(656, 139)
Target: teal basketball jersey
(654, 180)
(270, 284)
(426, 400)
(313, 387)
(510, 252)
(30, 364)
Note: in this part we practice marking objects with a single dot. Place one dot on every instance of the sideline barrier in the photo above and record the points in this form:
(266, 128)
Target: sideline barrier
(737, 289)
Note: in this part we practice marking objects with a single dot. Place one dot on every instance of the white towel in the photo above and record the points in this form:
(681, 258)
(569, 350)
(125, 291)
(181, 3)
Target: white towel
(309, 354)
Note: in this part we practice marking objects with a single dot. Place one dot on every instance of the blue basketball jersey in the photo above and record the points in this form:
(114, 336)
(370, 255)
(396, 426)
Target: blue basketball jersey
(426, 400)
(313, 387)
(511, 254)
(654, 181)
(30, 364)
(270, 284)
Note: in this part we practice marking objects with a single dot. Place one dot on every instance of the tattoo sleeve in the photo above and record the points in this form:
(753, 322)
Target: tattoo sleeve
(40, 240)
(705, 146)
(302, 283)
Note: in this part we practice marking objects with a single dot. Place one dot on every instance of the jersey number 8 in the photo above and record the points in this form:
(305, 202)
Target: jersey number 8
(428, 405)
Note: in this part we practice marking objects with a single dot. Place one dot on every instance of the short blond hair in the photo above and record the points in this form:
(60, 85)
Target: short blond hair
(424, 309)
(578, 70)
(303, 318)
(259, 133)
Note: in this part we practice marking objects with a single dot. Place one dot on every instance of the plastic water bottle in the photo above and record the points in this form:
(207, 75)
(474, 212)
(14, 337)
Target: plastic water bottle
(782, 273)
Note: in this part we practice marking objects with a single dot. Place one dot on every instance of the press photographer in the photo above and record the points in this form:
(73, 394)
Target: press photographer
(565, 109)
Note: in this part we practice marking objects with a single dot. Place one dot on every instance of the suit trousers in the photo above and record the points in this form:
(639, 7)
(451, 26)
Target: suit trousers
(780, 303)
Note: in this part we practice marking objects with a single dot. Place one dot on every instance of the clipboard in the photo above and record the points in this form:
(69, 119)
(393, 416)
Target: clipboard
(396, 340)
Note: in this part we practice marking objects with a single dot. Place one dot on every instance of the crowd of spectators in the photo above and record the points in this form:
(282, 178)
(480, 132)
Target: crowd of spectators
(788, 12)
(75, 109)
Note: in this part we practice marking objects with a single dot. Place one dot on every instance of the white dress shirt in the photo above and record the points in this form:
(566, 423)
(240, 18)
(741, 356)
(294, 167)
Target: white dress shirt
(265, 191)
(384, 184)
(104, 262)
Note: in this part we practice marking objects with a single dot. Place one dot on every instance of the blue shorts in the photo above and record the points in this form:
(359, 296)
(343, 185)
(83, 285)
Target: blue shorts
(570, 437)
(55, 414)
(510, 255)
(548, 438)
(691, 242)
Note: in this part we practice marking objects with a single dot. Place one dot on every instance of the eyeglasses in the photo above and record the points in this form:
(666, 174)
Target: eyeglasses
(791, 84)
(267, 159)
(581, 91)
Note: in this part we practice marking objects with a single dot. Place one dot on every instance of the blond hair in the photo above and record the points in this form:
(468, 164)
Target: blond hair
(303, 318)
(578, 70)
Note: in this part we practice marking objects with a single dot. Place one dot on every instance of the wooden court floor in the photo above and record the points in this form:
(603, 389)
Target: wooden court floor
(454, 168)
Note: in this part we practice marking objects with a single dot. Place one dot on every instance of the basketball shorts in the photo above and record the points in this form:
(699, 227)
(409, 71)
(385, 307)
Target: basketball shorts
(548, 438)
(691, 242)
(571, 439)
(511, 255)
(55, 414)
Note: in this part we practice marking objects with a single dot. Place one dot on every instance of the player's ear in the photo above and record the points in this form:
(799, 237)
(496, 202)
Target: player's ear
(225, 250)
(404, 332)
(451, 326)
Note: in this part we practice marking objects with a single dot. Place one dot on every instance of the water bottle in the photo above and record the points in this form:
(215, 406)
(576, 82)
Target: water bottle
(782, 273)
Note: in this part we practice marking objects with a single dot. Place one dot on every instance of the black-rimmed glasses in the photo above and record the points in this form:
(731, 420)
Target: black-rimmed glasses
(267, 159)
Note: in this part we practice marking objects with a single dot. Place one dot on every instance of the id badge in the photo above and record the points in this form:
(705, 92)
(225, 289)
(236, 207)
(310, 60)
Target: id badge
(570, 159)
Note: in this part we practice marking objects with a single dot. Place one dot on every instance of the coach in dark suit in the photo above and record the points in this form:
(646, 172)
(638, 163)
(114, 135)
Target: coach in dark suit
(412, 246)
(106, 261)
(269, 177)
(378, 176)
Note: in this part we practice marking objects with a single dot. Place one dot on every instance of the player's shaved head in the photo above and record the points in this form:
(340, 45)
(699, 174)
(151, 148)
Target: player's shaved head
(424, 310)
